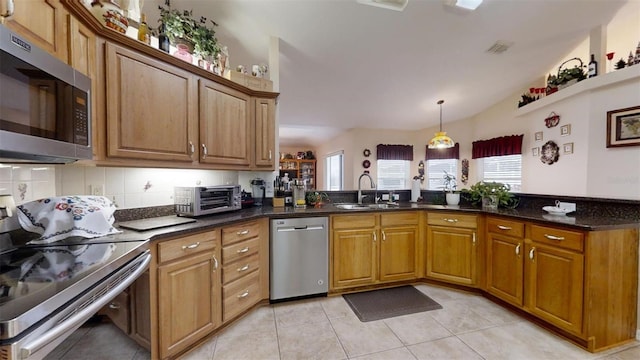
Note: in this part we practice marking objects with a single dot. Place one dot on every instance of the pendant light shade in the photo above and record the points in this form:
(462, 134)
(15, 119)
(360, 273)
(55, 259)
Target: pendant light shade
(441, 140)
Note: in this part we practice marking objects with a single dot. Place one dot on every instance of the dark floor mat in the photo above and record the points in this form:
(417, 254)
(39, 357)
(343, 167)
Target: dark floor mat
(386, 303)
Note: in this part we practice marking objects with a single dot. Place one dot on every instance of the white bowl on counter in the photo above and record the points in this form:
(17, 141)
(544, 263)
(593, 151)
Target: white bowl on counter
(555, 210)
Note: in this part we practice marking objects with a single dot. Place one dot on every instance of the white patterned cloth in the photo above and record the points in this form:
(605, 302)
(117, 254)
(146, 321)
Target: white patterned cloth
(58, 218)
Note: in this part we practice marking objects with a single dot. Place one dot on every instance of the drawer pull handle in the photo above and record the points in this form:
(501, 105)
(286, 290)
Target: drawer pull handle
(192, 246)
(552, 237)
(450, 220)
(375, 237)
(531, 253)
(114, 306)
(518, 249)
(242, 251)
(244, 268)
(243, 232)
(384, 236)
(215, 263)
(502, 227)
(244, 294)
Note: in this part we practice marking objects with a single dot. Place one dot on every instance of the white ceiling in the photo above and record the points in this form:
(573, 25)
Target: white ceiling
(346, 65)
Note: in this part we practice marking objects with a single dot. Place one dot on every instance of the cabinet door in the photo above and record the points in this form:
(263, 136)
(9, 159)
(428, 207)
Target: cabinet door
(398, 253)
(82, 48)
(265, 133)
(452, 254)
(189, 303)
(354, 257)
(42, 22)
(505, 268)
(151, 113)
(225, 125)
(555, 285)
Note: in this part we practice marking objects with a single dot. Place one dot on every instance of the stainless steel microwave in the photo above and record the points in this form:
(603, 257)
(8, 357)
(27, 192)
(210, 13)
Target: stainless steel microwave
(206, 200)
(44, 105)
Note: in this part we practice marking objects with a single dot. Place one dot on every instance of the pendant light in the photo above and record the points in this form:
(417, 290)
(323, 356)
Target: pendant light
(441, 140)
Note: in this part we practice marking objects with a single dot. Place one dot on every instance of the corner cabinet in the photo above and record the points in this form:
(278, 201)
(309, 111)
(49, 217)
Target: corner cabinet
(150, 108)
(453, 248)
(265, 133)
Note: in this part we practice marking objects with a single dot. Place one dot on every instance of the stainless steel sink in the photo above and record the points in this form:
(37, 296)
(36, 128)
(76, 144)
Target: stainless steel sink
(364, 206)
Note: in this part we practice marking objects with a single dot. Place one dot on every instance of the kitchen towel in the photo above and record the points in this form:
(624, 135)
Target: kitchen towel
(415, 191)
(58, 218)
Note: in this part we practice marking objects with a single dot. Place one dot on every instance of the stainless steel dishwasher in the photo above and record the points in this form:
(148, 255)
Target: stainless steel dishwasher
(299, 257)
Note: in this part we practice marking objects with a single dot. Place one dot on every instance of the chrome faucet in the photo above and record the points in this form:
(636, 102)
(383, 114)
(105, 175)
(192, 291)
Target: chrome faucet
(373, 186)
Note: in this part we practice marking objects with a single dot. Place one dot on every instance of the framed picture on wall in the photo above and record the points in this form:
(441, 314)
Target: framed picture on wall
(567, 148)
(565, 130)
(535, 151)
(538, 136)
(623, 127)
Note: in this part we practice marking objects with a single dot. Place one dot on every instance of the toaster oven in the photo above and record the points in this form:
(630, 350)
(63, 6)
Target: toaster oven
(206, 200)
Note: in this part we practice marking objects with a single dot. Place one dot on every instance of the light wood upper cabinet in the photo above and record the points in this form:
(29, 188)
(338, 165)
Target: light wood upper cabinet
(43, 22)
(452, 248)
(265, 133)
(82, 48)
(225, 125)
(150, 107)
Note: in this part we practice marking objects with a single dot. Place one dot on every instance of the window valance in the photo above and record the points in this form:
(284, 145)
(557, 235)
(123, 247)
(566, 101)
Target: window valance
(438, 154)
(394, 152)
(500, 146)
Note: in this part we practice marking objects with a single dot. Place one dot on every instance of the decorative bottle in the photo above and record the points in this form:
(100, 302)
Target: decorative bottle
(143, 30)
(593, 67)
(163, 40)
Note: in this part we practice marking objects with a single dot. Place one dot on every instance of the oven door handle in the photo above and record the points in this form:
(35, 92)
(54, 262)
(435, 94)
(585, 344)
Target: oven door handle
(84, 314)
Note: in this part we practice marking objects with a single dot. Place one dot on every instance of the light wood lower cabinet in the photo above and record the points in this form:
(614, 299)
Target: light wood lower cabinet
(505, 259)
(452, 248)
(373, 248)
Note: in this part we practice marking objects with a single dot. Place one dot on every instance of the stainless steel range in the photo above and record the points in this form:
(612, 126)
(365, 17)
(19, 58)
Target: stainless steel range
(48, 291)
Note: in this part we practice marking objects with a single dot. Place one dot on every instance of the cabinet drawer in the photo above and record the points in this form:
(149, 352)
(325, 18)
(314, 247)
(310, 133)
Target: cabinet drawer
(567, 239)
(240, 250)
(174, 249)
(451, 219)
(505, 227)
(399, 218)
(353, 221)
(240, 295)
(240, 268)
(239, 232)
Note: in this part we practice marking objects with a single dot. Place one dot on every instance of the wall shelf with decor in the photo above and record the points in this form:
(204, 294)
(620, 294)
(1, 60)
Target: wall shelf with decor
(300, 169)
(618, 76)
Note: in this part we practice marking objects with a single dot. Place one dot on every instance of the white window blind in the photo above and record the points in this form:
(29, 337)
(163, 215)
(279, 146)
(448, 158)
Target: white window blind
(505, 169)
(334, 171)
(435, 172)
(393, 174)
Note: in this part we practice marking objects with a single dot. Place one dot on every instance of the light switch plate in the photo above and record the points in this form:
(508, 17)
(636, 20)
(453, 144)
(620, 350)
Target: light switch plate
(569, 206)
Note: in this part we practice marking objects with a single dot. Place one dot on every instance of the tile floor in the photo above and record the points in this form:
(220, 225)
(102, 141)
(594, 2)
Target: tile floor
(467, 327)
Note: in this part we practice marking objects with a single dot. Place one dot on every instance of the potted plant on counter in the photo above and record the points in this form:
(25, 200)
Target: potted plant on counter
(491, 195)
(451, 195)
(317, 199)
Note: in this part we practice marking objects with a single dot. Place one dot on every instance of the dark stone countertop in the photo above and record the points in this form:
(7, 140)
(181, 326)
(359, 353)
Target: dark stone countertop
(577, 221)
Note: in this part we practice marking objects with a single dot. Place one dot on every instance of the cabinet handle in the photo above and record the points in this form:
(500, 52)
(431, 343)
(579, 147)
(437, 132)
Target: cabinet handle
(242, 251)
(375, 237)
(518, 249)
(114, 306)
(270, 158)
(242, 232)
(384, 236)
(473, 240)
(502, 227)
(552, 237)
(204, 151)
(244, 294)
(215, 263)
(192, 149)
(531, 253)
(244, 268)
(192, 246)
(450, 220)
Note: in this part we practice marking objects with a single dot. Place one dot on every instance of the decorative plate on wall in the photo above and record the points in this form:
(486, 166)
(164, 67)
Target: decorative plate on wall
(366, 164)
(550, 152)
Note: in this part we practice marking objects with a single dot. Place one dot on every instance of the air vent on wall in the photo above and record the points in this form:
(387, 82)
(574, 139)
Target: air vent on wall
(499, 47)
(397, 5)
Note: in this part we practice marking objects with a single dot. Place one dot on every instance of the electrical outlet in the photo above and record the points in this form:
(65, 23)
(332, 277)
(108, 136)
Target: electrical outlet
(569, 206)
(96, 190)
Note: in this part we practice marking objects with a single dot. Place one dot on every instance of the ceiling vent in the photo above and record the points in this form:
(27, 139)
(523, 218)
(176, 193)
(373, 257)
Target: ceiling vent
(499, 47)
(397, 5)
